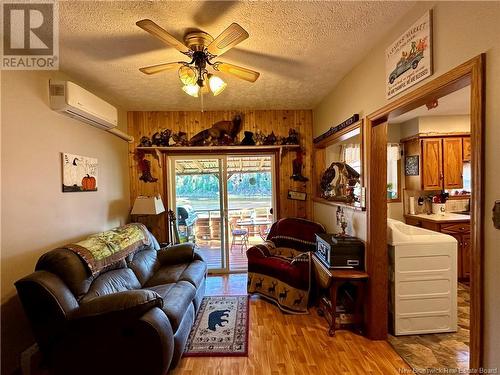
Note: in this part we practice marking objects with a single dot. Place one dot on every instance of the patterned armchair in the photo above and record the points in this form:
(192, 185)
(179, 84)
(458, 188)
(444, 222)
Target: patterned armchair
(280, 268)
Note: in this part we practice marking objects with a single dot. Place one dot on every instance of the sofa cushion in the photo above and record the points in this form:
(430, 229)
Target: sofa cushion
(176, 300)
(69, 267)
(193, 273)
(166, 274)
(144, 264)
(112, 282)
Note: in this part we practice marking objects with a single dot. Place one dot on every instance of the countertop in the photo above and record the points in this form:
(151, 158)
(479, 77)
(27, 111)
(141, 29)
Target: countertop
(447, 217)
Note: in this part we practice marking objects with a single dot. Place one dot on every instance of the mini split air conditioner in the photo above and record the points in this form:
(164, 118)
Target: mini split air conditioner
(72, 100)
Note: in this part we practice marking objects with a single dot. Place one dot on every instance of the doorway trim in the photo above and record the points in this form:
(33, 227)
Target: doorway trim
(470, 73)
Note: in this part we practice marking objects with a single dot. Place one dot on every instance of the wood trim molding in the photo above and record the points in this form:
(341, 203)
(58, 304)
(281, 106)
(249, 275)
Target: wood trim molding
(470, 73)
(350, 131)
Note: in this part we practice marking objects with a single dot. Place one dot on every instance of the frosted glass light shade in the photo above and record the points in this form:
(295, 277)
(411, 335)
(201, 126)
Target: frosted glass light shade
(217, 85)
(187, 75)
(193, 90)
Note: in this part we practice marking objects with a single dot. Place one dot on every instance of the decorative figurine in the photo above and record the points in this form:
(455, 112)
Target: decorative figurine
(259, 138)
(156, 139)
(222, 132)
(165, 137)
(248, 140)
(270, 140)
(145, 167)
(180, 139)
(145, 142)
(342, 221)
(297, 165)
(293, 137)
(338, 182)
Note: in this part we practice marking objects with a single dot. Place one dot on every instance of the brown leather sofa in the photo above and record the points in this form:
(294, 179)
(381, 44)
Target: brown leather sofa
(132, 318)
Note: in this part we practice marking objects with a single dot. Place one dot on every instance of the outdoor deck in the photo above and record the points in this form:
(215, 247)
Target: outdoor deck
(211, 252)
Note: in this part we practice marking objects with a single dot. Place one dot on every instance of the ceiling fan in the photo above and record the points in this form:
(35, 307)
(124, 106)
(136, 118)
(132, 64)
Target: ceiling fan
(202, 48)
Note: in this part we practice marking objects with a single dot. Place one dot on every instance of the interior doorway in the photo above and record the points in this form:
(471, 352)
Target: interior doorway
(470, 73)
(224, 204)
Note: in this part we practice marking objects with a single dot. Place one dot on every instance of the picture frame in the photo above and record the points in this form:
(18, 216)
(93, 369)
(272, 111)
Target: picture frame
(297, 195)
(79, 173)
(409, 58)
(412, 165)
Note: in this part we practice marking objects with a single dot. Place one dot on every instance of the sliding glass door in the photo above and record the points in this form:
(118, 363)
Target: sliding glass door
(223, 203)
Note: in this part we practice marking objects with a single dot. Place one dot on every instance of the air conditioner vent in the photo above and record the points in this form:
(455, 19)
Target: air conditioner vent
(56, 90)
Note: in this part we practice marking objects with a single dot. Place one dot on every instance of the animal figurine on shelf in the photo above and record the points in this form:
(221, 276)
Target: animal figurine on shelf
(145, 142)
(248, 139)
(221, 133)
(293, 137)
(156, 139)
(297, 166)
(259, 138)
(165, 137)
(180, 139)
(270, 140)
(161, 138)
(280, 140)
(338, 182)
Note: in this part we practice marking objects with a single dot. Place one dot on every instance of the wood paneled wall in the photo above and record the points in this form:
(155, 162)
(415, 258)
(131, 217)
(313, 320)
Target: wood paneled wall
(280, 121)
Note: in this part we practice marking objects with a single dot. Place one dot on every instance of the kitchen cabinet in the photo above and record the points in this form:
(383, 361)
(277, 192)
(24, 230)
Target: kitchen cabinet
(432, 166)
(466, 148)
(441, 160)
(460, 230)
(452, 163)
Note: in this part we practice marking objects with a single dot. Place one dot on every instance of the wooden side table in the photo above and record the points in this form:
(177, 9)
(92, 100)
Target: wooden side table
(329, 280)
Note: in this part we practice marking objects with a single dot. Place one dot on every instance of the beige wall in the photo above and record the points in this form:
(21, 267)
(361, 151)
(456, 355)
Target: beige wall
(444, 124)
(36, 215)
(461, 31)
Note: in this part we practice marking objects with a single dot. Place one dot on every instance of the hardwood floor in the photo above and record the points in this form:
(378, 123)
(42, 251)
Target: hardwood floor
(293, 344)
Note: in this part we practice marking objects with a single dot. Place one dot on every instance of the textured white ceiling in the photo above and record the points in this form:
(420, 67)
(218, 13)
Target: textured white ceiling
(301, 49)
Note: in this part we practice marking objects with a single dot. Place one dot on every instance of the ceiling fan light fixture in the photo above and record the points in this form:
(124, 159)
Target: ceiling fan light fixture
(217, 84)
(187, 75)
(192, 90)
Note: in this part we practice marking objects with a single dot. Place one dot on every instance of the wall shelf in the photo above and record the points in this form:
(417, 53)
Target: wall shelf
(157, 151)
(339, 204)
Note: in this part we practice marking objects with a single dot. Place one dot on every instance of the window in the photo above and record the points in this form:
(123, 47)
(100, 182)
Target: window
(351, 154)
(393, 172)
(467, 186)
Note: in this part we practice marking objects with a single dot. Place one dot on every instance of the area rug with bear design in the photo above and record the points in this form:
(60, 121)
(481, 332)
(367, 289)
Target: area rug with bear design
(220, 328)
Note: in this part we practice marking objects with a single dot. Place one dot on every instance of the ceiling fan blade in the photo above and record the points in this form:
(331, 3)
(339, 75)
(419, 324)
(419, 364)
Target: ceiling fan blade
(230, 37)
(238, 71)
(161, 34)
(153, 69)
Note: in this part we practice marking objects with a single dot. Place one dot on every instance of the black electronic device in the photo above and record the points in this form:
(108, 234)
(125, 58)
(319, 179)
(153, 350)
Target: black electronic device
(337, 251)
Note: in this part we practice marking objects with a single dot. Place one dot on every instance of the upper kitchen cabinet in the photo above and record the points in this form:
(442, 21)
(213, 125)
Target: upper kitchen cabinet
(439, 158)
(466, 148)
(452, 163)
(432, 166)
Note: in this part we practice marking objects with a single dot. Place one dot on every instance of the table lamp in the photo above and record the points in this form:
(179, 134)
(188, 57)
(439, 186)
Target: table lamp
(144, 206)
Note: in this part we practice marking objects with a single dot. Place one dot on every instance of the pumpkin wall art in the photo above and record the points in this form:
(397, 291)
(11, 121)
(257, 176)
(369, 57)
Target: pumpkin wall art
(79, 173)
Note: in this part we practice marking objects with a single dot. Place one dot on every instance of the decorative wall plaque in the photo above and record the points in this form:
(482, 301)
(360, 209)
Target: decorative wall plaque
(411, 166)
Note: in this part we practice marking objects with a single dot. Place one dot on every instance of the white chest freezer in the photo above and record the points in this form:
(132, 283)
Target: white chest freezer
(422, 279)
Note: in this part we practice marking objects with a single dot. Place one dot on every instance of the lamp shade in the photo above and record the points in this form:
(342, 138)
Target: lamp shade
(217, 85)
(148, 206)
